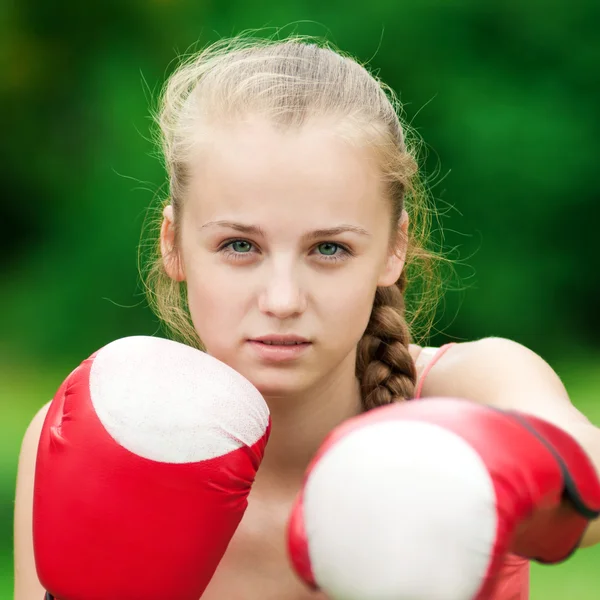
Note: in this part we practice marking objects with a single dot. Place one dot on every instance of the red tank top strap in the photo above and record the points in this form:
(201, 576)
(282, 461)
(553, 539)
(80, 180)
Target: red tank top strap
(513, 578)
(437, 355)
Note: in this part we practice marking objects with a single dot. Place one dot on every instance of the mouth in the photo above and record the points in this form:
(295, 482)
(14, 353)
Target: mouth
(279, 350)
(280, 340)
(271, 343)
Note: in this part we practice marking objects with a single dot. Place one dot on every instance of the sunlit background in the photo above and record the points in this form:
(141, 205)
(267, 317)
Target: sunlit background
(505, 95)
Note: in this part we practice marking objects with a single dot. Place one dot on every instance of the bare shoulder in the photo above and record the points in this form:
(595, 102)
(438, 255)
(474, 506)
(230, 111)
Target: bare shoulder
(27, 585)
(415, 351)
(464, 370)
(502, 373)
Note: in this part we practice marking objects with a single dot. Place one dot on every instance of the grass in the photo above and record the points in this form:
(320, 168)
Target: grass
(24, 390)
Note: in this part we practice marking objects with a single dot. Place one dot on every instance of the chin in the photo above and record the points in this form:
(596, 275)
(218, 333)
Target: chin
(272, 380)
(278, 382)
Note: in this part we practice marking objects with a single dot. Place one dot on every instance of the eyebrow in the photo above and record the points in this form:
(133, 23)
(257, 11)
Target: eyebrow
(317, 233)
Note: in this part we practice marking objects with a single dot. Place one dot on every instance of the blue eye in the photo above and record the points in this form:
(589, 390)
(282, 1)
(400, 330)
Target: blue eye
(237, 249)
(327, 248)
(241, 246)
(333, 252)
(328, 251)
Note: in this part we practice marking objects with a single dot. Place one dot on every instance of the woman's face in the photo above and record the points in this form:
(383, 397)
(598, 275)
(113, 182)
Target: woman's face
(258, 259)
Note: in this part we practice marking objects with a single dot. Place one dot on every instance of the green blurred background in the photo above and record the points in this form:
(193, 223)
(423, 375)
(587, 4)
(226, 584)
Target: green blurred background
(505, 94)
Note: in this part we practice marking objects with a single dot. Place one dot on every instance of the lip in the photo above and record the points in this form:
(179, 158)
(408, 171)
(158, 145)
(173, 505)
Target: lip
(282, 339)
(278, 353)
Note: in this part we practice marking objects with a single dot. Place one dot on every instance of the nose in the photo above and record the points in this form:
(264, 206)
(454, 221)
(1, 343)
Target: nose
(282, 295)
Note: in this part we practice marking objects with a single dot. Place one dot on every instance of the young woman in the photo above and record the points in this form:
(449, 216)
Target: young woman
(293, 221)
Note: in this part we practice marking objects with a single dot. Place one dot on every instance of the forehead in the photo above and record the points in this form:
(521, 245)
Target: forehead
(302, 177)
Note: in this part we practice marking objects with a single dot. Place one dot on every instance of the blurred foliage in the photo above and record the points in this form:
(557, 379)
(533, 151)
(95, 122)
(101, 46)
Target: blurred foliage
(505, 95)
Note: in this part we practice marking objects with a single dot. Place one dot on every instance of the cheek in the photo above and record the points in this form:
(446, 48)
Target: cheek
(216, 305)
(345, 309)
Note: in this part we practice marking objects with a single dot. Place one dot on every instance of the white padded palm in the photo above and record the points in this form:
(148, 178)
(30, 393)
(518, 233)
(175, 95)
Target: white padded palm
(400, 509)
(171, 403)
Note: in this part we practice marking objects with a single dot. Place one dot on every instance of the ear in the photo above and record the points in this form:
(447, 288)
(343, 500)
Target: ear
(168, 247)
(397, 256)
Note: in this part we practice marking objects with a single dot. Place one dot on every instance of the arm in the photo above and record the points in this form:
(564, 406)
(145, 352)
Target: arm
(27, 585)
(503, 374)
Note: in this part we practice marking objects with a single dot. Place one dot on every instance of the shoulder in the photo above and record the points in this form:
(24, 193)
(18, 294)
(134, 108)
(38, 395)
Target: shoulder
(30, 442)
(498, 372)
(32, 433)
(474, 368)
(463, 364)
(26, 581)
(424, 358)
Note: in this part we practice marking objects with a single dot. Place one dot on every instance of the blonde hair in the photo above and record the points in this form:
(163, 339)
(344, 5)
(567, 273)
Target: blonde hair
(291, 82)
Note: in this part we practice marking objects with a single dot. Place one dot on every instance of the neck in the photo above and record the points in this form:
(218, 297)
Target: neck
(301, 423)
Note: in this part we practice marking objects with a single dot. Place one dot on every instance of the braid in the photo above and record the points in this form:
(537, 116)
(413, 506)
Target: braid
(384, 366)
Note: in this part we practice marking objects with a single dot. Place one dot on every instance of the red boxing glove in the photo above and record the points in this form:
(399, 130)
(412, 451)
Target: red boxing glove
(424, 499)
(145, 462)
